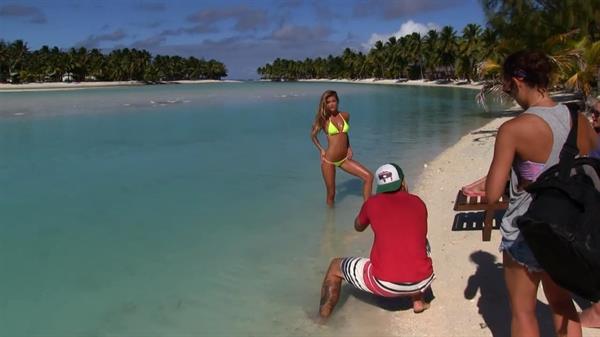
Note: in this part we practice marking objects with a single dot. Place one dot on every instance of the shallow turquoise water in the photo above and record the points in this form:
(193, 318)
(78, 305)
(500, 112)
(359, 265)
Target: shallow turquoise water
(187, 210)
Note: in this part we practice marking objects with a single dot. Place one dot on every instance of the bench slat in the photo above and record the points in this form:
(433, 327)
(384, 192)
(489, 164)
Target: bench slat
(465, 203)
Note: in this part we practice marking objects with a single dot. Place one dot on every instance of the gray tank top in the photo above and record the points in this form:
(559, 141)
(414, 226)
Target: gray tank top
(559, 120)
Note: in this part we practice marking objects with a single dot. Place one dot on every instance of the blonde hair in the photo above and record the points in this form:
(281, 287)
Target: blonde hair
(322, 112)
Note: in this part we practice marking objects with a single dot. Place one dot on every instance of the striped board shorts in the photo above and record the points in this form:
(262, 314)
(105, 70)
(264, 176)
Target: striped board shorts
(358, 272)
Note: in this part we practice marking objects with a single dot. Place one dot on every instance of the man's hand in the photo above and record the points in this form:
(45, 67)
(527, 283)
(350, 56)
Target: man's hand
(358, 226)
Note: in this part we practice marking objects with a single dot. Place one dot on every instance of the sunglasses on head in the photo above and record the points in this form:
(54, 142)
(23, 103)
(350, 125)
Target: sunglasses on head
(520, 73)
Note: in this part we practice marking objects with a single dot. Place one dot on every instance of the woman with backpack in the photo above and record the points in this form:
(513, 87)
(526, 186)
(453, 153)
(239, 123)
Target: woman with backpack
(525, 146)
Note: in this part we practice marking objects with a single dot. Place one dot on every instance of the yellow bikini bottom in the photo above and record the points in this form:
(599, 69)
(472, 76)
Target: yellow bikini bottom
(336, 163)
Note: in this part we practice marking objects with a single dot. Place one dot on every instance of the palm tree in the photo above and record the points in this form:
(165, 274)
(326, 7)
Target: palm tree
(348, 57)
(588, 67)
(216, 70)
(489, 45)
(448, 48)
(97, 65)
(141, 59)
(16, 55)
(78, 63)
(18, 64)
(565, 30)
(376, 57)
(414, 52)
(3, 61)
(431, 53)
(469, 51)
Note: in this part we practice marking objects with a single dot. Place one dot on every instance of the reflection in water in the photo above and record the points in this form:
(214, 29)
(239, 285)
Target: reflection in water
(338, 236)
(328, 236)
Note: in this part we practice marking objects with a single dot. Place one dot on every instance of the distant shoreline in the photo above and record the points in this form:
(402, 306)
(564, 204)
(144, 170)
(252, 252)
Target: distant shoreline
(57, 86)
(424, 83)
(54, 86)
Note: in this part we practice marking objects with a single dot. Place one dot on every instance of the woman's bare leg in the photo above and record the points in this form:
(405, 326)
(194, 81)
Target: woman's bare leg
(356, 169)
(328, 171)
(330, 290)
(522, 292)
(564, 315)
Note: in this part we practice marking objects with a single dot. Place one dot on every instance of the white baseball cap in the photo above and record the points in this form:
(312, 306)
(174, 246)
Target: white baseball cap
(389, 178)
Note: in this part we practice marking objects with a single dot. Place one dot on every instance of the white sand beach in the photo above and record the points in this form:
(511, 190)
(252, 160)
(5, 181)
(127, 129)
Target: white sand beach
(52, 86)
(63, 85)
(469, 294)
(452, 84)
(204, 81)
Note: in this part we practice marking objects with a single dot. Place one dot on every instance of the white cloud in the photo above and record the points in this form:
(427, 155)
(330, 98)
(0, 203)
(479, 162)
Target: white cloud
(406, 28)
(410, 27)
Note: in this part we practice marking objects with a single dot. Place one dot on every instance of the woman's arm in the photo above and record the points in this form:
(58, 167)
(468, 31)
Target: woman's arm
(313, 136)
(476, 188)
(349, 154)
(504, 153)
(587, 138)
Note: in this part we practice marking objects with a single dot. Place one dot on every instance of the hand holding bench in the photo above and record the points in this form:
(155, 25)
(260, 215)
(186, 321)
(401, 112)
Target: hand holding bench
(479, 203)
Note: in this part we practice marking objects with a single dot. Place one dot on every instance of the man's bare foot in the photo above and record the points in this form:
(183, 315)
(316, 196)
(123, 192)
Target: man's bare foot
(417, 309)
(418, 304)
(590, 317)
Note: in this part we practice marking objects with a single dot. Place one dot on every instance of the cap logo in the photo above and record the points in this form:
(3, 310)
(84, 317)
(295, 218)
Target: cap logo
(384, 176)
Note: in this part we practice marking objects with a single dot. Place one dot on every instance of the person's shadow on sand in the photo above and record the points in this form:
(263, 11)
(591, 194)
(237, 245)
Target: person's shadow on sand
(349, 187)
(493, 303)
(385, 303)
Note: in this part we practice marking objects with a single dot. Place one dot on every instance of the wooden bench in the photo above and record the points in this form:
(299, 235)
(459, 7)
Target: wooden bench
(464, 203)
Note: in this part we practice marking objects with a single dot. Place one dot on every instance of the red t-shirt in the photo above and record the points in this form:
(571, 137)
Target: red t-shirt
(399, 222)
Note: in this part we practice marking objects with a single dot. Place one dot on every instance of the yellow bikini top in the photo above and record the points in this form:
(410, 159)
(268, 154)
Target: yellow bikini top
(333, 130)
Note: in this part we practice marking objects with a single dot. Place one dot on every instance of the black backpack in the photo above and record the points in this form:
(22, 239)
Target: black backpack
(562, 224)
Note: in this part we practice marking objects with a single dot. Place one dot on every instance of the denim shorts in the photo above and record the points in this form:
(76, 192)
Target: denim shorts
(521, 253)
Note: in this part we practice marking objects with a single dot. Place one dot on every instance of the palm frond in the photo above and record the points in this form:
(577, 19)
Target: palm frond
(491, 89)
(567, 60)
(560, 39)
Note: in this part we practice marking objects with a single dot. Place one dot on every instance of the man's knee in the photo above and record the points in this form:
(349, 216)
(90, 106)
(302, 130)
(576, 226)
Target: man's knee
(335, 267)
(335, 263)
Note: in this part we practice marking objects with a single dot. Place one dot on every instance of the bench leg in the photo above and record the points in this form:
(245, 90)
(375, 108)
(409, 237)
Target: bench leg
(488, 217)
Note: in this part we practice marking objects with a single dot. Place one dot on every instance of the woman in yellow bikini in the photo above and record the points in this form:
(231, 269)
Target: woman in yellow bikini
(338, 153)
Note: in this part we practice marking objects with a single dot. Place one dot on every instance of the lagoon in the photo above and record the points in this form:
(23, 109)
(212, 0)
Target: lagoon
(187, 210)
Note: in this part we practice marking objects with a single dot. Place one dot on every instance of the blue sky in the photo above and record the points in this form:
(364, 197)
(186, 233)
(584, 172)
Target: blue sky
(242, 34)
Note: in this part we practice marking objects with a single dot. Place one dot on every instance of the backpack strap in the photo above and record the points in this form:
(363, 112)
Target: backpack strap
(569, 149)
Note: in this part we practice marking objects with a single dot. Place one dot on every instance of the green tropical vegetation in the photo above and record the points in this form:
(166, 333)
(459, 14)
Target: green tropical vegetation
(20, 65)
(567, 30)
